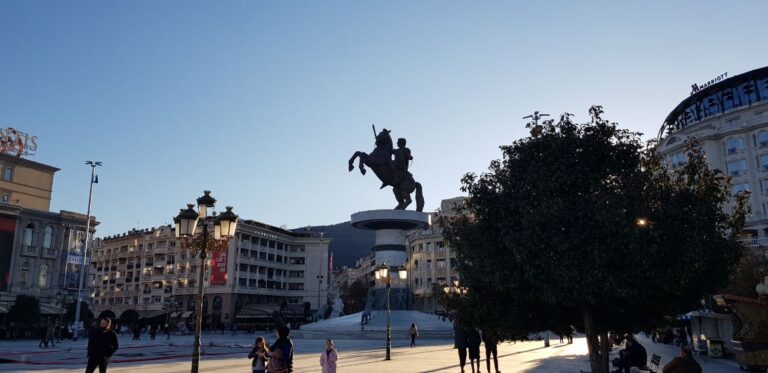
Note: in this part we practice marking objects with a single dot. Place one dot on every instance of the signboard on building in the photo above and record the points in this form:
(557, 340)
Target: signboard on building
(698, 87)
(17, 143)
(219, 265)
(75, 253)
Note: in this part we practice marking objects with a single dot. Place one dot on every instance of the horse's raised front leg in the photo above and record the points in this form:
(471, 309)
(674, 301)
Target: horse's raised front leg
(352, 161)
(361, 163)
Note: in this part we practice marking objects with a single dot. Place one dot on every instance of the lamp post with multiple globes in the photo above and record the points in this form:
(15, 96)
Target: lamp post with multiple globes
(383, 273)
(193, 231)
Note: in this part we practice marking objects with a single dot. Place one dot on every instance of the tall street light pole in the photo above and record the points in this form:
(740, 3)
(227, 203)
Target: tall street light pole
(383, 272)
(224, 227)
(535, 117)
(85, 248)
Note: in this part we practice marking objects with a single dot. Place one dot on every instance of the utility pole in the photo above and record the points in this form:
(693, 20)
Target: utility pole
(85, 248)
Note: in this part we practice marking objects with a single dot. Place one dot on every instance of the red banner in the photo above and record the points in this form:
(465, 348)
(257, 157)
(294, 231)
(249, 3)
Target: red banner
(219, 266)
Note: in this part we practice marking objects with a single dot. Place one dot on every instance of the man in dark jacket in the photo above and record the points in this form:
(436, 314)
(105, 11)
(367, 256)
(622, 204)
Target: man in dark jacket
(683, 363)
(633, 355)
(102, 343)
(282, 351)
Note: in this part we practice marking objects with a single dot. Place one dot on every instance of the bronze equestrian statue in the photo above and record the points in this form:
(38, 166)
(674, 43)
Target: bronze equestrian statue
(392, 173)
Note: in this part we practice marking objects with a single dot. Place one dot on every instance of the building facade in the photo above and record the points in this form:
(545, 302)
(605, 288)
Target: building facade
(261, 268)
(431, 262)
(729, 119)
(35, 243)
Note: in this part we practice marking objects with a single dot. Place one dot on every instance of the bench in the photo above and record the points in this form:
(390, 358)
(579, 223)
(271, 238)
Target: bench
(653, 367)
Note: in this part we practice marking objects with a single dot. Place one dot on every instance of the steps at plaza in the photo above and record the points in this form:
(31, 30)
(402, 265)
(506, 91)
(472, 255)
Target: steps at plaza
(348, 327)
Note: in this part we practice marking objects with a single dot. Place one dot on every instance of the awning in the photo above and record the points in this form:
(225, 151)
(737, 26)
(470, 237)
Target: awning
(49, 309)
(175, 315)
(150, 314)
(4, 307)
(186, 314)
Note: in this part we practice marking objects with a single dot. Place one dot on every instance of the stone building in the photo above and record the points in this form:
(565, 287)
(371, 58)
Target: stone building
(261, 270)
(35, 243)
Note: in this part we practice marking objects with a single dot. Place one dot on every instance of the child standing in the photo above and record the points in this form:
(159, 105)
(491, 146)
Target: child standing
(259, 355)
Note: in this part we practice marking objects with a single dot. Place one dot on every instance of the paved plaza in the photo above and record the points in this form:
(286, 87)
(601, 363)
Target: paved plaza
(227, 353)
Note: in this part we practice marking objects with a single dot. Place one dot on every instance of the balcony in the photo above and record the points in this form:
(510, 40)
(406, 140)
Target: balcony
(29, 250)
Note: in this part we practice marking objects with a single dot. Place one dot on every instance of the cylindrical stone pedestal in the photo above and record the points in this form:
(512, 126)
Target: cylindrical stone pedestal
(390, 249)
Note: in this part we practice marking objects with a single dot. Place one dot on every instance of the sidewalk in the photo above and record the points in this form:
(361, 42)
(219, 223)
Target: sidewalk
(229, 354)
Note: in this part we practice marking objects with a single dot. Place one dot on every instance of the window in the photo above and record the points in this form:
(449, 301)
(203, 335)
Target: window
(764, 162)
(737, 168)
(762, 139)
(8, 173)
(293, 286)
(734, 145)
(48, 237)
(677, 159)
(738, 188)
(441, 263)
(6, 197)
(24, 272)
(29, 232)
(429, 264)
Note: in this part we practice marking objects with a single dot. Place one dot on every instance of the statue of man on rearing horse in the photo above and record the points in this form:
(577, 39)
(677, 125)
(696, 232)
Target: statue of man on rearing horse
(392, 173)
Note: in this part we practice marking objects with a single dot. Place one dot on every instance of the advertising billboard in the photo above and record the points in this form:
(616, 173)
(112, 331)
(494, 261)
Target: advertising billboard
(75, 252)
(7, 232)
(219, 265)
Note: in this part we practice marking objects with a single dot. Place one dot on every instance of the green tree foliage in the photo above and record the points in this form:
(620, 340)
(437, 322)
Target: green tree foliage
(86, 316)
(354, 296)
(25, 311)
(553, 234)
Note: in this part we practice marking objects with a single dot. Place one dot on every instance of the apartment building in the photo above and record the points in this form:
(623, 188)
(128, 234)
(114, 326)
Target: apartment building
(263, 267)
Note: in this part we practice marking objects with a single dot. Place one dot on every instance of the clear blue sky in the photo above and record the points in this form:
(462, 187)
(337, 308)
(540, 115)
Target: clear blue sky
(263, 102)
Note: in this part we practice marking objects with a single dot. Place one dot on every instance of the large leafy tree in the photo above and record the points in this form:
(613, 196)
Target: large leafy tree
(581, 224)
(25, 311)
(354, 296)
(86, 315)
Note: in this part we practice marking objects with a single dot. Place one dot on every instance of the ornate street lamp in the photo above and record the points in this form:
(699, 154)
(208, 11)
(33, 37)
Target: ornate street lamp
(192, 230)
(383, 273)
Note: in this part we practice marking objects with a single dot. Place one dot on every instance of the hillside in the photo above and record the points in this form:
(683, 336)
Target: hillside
(348, 244)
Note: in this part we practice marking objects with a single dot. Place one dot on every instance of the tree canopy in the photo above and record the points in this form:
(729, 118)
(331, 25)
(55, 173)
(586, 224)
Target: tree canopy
(25, 310)
(583, 224)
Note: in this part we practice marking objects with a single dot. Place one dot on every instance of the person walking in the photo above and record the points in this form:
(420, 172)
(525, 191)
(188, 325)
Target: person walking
(47, 337)
(473, 340)
(491, 341)
(683, 363)
(414, 332)
(329, 357)
(102, 343)
(281, 352)
(259, 354)
(460, 343)
(152, 332)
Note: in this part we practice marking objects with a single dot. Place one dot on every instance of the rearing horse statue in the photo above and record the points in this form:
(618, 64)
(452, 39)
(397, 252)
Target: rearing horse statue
(380, 161)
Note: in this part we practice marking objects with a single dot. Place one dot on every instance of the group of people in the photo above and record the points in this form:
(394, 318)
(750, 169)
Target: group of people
(278, 358)
(634, 355)
(467, 339)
